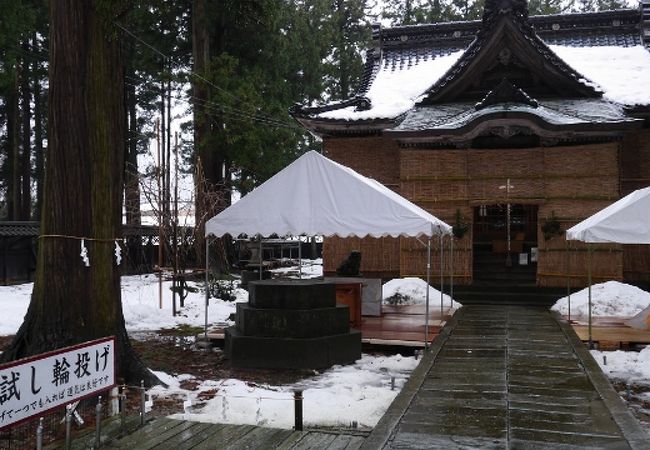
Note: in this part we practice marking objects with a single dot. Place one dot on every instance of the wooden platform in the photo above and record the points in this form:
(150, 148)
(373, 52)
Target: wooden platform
(171, 434)
(610, 333)
(401, 325)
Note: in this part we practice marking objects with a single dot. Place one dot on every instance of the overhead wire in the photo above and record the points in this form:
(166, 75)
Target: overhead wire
(196, 75)
(228, 110)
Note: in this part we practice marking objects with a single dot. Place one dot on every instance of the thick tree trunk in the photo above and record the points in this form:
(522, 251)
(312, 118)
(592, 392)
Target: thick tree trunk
(72, 303)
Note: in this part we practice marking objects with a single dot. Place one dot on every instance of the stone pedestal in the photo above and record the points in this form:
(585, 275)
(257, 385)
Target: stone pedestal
(292, 324)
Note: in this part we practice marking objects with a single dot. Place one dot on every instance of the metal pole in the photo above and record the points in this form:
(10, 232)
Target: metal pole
(123, 410)
(451, 271)
(68, 426)
(98, 422)
(426, 309)
(589, 249)
(299, 258)
(142, 402)
(261, 255)
(207, 286)
(39, 435)
(297, 402)
(442, 274)
(568, 278)
(160, 218)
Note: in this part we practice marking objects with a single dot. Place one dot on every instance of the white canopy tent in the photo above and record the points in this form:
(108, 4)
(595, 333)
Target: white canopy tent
(317, 196)
(626, 221)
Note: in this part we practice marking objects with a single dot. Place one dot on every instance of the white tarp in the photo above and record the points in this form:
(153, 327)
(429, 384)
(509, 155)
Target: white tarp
(317, 196)
(626, 221)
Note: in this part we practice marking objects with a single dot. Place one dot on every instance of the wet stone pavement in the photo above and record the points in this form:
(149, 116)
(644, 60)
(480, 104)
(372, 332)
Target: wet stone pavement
(507, 377)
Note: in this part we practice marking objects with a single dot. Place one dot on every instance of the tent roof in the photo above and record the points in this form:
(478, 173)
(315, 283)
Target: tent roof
(626, 221)
(317, 196)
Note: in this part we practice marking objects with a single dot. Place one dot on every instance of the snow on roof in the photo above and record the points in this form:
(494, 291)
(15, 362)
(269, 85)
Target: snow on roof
(621, 72)
(395, 90)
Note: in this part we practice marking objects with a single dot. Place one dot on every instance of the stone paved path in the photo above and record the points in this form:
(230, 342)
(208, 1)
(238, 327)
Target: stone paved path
(507, 377)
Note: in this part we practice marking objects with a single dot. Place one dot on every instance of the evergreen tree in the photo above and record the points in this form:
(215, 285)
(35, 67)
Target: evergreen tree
(72, 303)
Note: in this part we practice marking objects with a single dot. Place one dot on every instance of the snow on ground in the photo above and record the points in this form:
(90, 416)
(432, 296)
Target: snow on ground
(311, 268)
(339, 396)
(14, 301)
(412, 291)
(140, 302)
(612, 299)
(626, 366)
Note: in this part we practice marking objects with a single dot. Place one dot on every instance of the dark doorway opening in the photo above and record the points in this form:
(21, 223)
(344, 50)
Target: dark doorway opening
(503, 259)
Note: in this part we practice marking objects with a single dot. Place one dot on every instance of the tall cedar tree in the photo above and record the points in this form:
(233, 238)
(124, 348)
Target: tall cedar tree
(72, 303)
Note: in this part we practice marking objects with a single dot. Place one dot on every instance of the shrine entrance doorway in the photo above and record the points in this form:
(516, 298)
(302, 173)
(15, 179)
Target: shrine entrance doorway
(505, 244)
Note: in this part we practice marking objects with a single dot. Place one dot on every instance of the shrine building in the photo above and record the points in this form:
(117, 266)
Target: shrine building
(510, 128)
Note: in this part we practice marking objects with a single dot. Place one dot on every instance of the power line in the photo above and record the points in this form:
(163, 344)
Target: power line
(231, 111)
(191, 72)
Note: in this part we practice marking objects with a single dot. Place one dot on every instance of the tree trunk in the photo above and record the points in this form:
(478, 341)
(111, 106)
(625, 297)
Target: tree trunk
(13, 188)
(72, 303)
(39, 153)
(212, 190)
(131, 177)
(26, 147)
(201, 57)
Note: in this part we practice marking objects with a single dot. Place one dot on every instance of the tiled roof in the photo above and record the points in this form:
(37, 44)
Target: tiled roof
(553, 112)
(397, 53)
(404, 46)
(18, 229)
(31, 229)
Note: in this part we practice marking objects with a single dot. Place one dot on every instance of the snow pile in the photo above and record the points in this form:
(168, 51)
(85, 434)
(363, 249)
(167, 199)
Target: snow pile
(412, 291)
(626, 366)
(612, 299)
(359, 392)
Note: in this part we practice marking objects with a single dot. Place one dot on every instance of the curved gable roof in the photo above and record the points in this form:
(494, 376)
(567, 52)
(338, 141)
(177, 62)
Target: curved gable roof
(405, 62)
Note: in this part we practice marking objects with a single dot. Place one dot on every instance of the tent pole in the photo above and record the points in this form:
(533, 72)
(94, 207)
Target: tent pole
(426, 312)
(442, 274)
(568, 279)
(451, 271)
(589, 251)
(207, 286)
(299, 258)
(261, 255)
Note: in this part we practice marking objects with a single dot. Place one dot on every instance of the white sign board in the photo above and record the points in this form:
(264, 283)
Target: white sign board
(34, 385)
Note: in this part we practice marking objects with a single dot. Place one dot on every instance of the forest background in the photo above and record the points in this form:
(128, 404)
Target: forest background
(237, 65)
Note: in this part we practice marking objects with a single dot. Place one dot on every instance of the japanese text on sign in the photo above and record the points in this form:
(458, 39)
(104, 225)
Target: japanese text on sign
(34, 385)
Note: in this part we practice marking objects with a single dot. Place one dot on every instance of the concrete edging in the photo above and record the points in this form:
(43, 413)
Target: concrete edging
(629, 426)
(385, 428)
